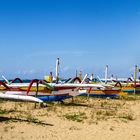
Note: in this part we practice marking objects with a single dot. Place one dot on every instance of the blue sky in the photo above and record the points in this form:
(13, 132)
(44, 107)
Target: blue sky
(85, 34)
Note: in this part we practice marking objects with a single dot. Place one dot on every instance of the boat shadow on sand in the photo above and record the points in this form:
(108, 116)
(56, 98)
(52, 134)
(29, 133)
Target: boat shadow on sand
(74, 104)
(9, 119)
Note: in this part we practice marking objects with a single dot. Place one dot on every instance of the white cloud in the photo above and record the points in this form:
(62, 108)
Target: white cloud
(57, 53)
(25, 72)
(67, 68)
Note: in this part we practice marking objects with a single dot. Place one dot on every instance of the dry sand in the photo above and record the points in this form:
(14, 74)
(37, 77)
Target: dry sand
(98, 119)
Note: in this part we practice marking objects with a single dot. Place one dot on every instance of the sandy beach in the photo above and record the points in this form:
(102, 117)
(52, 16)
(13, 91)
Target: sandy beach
(85, 118)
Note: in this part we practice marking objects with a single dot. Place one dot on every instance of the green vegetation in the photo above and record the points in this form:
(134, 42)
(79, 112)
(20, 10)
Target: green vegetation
(131, 97)
(52, 108)
(4, 111)
(79, 117)
(128, 116)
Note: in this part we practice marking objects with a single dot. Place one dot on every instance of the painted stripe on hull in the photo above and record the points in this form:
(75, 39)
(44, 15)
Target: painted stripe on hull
(53, 98)
(131, 91)
(100, 95)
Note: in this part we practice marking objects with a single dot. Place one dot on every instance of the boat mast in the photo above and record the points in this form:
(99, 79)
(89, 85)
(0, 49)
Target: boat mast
(135, 78)
(135, 73)
(56, 71)
(106, 73)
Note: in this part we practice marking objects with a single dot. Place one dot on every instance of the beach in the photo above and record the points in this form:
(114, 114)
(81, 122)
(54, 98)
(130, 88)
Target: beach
(81, 118)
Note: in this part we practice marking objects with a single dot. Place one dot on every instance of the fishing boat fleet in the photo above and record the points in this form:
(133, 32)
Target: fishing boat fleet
(54, 89)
